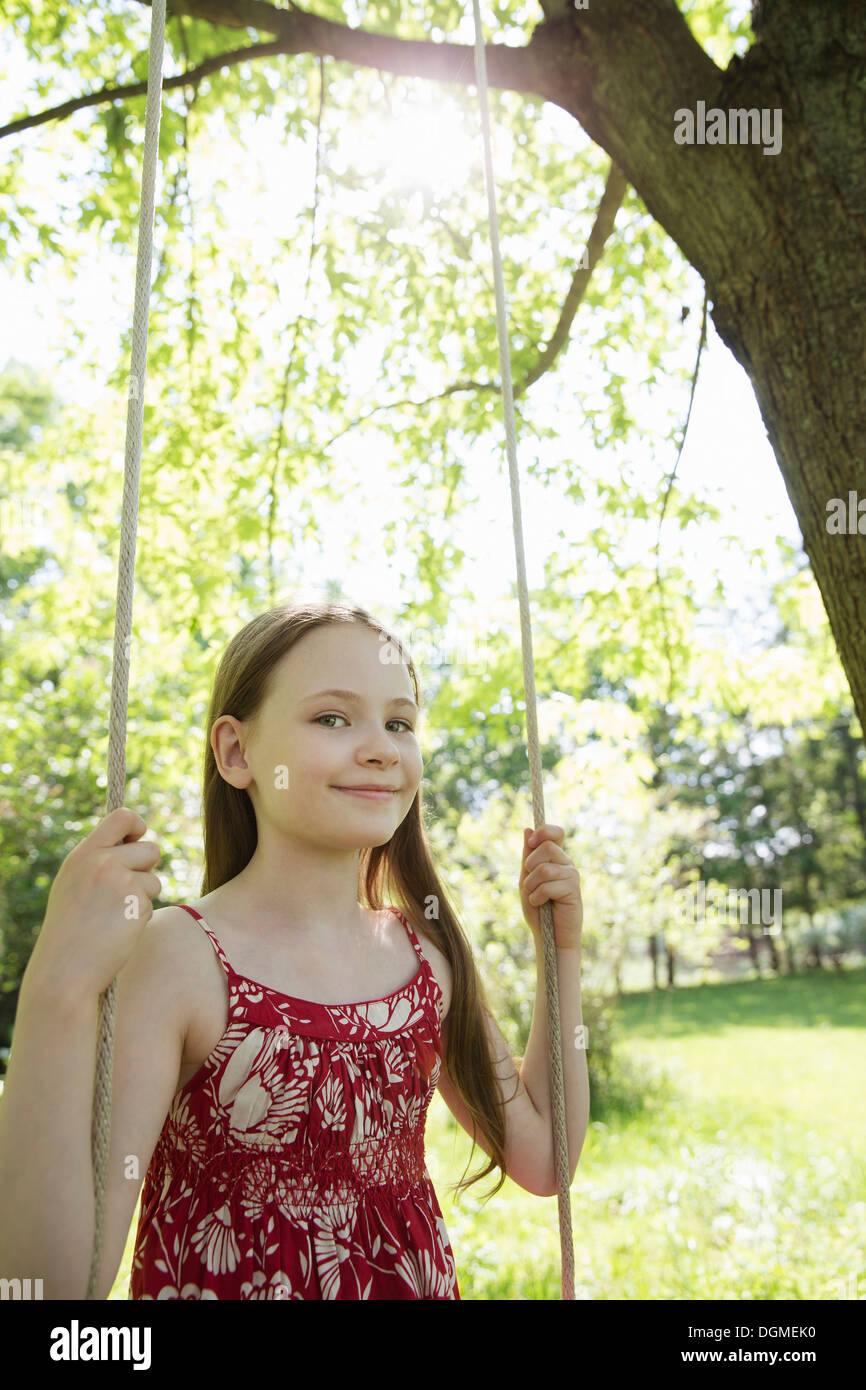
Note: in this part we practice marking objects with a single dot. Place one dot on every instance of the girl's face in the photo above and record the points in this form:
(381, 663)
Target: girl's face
(306, 747)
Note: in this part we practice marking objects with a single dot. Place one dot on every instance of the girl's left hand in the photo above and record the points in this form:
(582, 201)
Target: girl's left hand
(547, 873)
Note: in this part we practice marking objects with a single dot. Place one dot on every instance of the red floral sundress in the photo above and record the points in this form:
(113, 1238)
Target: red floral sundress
(291, 1165)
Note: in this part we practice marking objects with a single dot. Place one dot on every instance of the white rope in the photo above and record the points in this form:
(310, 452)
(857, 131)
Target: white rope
(125, 587)
(554, 1031)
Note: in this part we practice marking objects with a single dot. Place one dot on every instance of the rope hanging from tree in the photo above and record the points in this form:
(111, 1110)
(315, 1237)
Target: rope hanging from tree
(551, 980)
(125, 587)
(101, 1126)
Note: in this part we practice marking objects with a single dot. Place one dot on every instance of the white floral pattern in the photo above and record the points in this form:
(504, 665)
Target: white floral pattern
(292, 1164)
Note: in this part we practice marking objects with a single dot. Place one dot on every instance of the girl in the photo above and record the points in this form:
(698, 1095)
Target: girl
(280, 1130)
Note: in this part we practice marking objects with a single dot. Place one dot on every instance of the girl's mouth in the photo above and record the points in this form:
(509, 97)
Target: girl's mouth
(371, 795)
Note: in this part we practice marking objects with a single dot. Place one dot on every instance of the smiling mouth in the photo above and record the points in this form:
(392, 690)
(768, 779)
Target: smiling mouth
(379, 794)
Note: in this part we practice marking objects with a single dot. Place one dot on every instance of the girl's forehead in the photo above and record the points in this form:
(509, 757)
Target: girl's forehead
(338, 643)
(345, 657)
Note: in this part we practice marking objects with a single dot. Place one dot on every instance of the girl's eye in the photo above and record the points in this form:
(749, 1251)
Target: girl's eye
(409, 726)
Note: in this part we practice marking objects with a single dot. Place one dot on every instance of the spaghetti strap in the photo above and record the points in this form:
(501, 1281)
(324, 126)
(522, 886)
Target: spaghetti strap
(412, 937)
(426, 968)
(217, 947)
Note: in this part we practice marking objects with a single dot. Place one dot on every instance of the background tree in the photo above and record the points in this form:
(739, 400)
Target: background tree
(778, 240)
(364, 310)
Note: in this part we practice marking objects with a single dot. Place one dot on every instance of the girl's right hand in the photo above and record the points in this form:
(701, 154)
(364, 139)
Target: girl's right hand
(98, 906)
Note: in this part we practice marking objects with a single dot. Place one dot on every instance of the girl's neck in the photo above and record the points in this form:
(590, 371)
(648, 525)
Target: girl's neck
(243, 900)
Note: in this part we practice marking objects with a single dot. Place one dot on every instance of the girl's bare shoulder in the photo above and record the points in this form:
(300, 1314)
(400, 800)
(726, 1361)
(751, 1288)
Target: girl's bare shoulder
(185, 947)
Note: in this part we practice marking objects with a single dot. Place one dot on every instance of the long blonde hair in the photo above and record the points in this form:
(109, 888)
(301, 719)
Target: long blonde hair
(400, 871)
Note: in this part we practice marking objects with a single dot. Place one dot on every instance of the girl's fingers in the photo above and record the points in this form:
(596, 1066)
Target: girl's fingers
(546, 853)
(549, 871)
(544, 832)
(556, 888)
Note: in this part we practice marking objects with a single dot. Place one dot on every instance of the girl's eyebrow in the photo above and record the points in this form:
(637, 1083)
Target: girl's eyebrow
(358, 699)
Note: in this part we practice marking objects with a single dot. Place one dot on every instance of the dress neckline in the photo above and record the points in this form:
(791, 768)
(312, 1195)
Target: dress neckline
(314, 1003)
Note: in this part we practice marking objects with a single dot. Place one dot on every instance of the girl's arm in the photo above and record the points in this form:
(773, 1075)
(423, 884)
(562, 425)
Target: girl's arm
(90, 935)
(548, 875)
(524, 1086)
(47, 1205)
(46, 1175)
(535, 1067)
(528, 1144)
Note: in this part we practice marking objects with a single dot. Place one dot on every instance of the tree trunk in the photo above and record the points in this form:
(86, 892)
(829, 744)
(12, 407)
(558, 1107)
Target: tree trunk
(775, 961)
(654, 959)
(790, 964)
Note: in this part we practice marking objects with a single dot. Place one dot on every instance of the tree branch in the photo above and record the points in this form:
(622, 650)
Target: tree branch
(611, 199)
(299, 32)
(139, 89)
(302, 32)
(665, 630)
(463, 385)
(622, 69)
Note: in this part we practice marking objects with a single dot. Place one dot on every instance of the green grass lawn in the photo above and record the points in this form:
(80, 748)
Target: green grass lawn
(730, 1165)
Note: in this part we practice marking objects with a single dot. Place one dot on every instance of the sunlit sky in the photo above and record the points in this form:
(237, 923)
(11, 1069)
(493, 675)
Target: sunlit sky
(727, 457)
